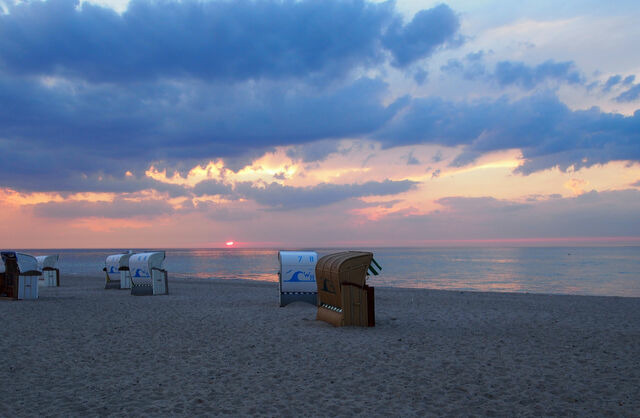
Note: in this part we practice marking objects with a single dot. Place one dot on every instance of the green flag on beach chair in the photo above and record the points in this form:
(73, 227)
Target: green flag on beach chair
(373, 270)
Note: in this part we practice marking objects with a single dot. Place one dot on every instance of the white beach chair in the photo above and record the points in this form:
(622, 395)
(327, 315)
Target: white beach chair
(117, 271)
(48, 266)
(297, 277)
(20, 277)
(148, 277)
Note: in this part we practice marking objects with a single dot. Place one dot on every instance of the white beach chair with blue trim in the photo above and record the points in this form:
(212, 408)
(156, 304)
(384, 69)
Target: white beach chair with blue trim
(148, 277)
(48, 266)
(116, 268)
(297, 277)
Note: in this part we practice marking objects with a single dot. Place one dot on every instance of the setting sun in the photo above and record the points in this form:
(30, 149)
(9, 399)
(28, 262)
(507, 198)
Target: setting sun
(229, 243)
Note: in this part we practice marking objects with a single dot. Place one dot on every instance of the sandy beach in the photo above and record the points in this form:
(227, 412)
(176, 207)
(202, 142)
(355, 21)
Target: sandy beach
(220, 347)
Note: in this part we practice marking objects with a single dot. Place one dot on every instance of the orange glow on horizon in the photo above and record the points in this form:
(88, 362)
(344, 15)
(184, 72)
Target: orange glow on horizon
(229, 243)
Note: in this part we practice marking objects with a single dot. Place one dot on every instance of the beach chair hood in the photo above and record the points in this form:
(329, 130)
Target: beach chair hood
(26, 263)
(117, 262)
(141, 264)
(47, 262)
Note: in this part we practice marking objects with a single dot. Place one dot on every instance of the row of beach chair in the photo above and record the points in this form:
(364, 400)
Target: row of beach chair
(22, 274)
(335, 283)
(143, 273)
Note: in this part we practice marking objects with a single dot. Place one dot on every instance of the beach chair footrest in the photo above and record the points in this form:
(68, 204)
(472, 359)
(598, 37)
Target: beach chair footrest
(142, 290)
(289, 297)
(332, 316)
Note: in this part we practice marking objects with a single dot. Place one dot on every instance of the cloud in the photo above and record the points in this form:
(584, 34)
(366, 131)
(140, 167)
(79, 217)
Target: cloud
(593, 214)
(513, 73)
(611, 81)
(212, 187)
(214, 40)
(546, 130)
(411, 160)
(518, 73)
(428, 30)
(472, 67)
(313, 151)
(118, 209)
(628, 80)
(420, 76)
(64, 131)
(629, 95)
(279, 197)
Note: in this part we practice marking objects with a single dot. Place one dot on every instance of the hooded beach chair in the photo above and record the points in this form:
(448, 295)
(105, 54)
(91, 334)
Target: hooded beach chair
(343, 296)
(19, 276)
(148, 277)
(297, 277)
(48, 266)
(116, 268)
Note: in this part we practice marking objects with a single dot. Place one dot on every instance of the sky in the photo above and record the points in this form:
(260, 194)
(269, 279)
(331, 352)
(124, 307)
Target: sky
(311, 124)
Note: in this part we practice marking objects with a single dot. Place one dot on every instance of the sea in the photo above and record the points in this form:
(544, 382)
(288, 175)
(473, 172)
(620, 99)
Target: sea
(602, 271)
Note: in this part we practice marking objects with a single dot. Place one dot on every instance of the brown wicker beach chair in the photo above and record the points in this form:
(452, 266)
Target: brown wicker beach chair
(343, 297)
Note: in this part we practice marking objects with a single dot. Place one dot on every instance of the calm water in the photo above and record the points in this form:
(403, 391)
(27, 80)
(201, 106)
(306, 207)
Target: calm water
(577, 270)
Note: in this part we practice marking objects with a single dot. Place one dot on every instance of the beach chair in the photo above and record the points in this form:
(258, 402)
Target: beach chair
(48, 266)
(147, 274)
(116, 268)
(297, 277)
(19, 276)
(343, 297)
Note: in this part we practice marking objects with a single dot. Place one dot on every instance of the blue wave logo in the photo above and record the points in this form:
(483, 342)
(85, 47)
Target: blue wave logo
(140, 273)
(301, 276)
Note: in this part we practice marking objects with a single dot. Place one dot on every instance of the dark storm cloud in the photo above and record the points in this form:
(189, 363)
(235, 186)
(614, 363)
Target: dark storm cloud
(237, 40)
(279, 197)
(546, 130)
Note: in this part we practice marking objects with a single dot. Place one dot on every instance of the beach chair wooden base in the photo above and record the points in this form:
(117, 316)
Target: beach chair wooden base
(289, 297)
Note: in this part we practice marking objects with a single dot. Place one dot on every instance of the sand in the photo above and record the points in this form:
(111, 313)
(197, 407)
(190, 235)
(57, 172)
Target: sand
(221, 347)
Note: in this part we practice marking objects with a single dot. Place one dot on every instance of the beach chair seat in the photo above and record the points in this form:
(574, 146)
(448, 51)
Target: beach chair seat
(48, 266)
(297, 277)
(19, 280)
(343, 296)
(117, 271)
(148, 277)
